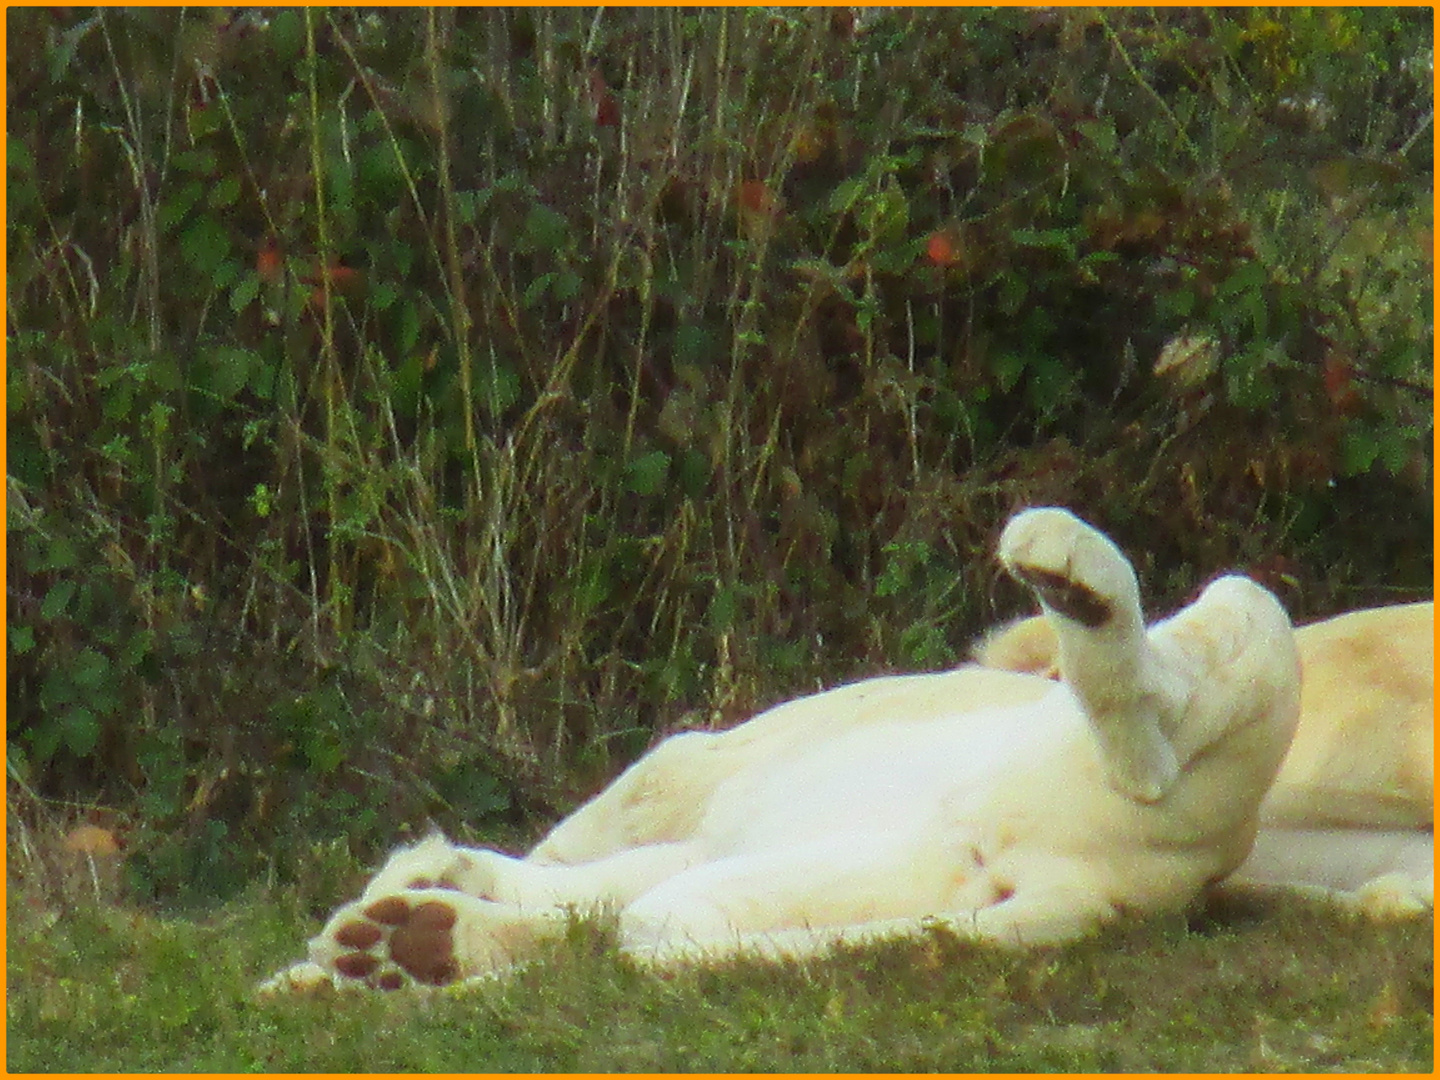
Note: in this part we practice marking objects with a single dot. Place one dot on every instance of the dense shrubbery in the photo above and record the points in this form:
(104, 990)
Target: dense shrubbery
(410, 413)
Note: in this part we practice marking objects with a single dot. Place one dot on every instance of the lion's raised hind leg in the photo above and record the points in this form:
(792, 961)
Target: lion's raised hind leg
(1091, 597)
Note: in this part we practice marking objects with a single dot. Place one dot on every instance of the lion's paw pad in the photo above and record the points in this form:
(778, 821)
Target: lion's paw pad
(1072, 568)
(1073, 599)
(394, 942)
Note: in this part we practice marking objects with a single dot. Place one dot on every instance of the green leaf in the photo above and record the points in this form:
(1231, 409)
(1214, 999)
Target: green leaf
(62, 52)
(405, 384)
(903, 560)
(887, 214)
(545, 229)
(1008, 367)
(1358, 450)
(90, 668)
(923, 645)
(1012, 289)
(163, 371)
(404, 256)
(322, 749)
(694, 344)
(591, 585)
(472, 785)
(22, 639)
(1247, 277)
(81, 730)
(567, 286)
(176, 208)
(44, 741)
(287, 34)
(245, 291)
(536, 289)
(693, 472)
(898, 258)
(225, 193)
(378, 174)
(260, 501)
(60, 554)
(646, 474)
(724, 607)
(382, 295)
(199, 162)
(205, 244)
(56, 600)
(1102, 134)
(230, 369)
(469, 204)
(1050, 383)
(1061, 240)
(17, 157)
(891, 580)
(136, 648)
(1178, 304)
(204, 122)
(498, 387)
(1398, 448)
(224, 275)
(845, 194)
(408, 333)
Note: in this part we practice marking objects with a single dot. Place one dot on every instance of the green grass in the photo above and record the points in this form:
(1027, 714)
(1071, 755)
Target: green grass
(1286, 987)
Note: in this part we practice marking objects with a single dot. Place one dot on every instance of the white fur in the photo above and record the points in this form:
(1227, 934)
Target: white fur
(1351, 814)
(1004, 806)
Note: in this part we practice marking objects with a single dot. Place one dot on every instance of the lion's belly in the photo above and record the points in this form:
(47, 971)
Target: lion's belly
(902, 777)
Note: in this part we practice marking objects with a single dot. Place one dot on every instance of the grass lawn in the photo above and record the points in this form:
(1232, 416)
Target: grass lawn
(1280, 987)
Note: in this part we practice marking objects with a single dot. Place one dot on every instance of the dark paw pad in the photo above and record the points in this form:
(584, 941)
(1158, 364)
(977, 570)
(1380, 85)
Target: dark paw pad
(422, 947)
(435, 883)
(358, 935)
(392, 911)
(1066, 596)
(395, 942)
(357, 965)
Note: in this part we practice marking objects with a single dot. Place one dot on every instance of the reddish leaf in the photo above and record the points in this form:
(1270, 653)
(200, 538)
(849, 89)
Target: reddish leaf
(607, 111)
(344, 279)
(941, 248)
(269, 261)
(1338, 375)
(607, 106)
(757, 198)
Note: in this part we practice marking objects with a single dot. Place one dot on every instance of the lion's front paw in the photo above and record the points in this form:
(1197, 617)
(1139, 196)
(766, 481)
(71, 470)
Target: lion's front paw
(390, 943)
(1075, 570)
(305, 977)
(426, 937)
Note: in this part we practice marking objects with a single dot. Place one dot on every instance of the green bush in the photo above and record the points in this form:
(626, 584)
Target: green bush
(412, 413)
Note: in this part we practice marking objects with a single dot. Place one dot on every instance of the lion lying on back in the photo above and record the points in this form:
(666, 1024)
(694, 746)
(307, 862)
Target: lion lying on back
(1351, 814)
(1003, 806)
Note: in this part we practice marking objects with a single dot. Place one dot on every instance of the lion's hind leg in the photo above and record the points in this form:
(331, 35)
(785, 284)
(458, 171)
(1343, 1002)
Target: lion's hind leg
(1379, 873)
(1091, 600)
(1057, 899)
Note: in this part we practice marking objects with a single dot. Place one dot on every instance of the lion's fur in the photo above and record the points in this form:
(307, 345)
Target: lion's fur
(1005, 806)
(1352, 809)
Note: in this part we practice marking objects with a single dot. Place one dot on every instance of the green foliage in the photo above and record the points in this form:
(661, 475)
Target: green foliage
(410, 416)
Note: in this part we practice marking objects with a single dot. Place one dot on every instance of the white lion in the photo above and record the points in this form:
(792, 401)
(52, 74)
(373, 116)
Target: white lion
(1351, 815)
(1002, 806)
